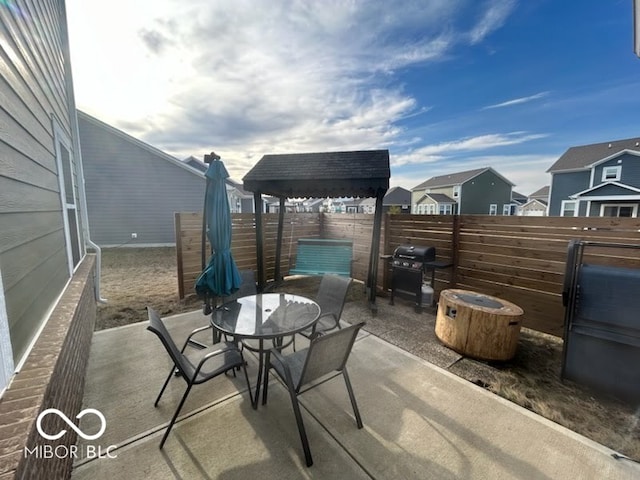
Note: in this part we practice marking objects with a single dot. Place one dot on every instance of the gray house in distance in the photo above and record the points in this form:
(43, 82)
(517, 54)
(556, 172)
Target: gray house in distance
(134, 189)
(397, 199)
(482, 191)
(240, 201)
(597, 180)
(536, 204)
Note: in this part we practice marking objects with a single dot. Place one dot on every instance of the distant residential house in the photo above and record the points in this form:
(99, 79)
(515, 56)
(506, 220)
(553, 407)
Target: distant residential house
(597, 180)
(134, 189)
(368, 206)
(397, 199)
(481, 191)
(518, 198)
(536, 204)
(240, 201)
(311, 205)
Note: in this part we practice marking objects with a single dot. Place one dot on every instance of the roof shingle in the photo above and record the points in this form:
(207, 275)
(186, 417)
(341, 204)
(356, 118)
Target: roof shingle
(322, 174)
(583, 156)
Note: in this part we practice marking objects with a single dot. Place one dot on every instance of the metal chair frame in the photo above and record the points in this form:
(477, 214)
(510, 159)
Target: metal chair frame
(319, 360)
(190, 372)
(331, 297)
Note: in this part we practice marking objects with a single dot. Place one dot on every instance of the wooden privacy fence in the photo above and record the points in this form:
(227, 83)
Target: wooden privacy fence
(520, 259)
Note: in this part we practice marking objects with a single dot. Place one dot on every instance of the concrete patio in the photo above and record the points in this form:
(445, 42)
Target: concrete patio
(420, 421)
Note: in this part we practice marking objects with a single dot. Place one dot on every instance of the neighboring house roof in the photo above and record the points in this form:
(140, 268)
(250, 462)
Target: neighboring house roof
(584, 156)
(195, 163)
(322, 174)
(139, 143)
(518, 197)
(458, 178)
(541, 194)
(239, 187)
(201, 166)
(535, 201)
(437, 198)
(368, 202)
(397, 196)
(608, 189)
(440, 198)
(532, 202)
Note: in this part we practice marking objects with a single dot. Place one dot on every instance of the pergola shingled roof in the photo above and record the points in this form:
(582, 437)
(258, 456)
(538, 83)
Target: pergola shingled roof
(363, 173)
(323, 174)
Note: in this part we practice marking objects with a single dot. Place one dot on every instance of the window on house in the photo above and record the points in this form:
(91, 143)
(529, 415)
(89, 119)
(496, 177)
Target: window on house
(508, 209)
(444, 209)
(456, 191)
(431, 209)
(67, 178)
(610, 174)
(569, 208)
(620, 210)
(493, 209)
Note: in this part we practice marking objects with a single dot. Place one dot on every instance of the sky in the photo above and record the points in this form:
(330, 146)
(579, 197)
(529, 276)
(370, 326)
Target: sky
(444, 85)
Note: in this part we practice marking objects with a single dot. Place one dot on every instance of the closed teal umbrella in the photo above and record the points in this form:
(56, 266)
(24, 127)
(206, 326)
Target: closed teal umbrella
(221, 276)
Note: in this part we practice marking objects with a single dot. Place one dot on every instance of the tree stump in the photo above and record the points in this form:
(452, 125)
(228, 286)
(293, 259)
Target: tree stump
(477, 325)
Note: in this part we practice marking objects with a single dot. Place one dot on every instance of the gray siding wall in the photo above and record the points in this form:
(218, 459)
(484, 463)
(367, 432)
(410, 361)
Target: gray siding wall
(565, 184)
(130, 189)
(33, 91)
(630, 174)
(483, 190)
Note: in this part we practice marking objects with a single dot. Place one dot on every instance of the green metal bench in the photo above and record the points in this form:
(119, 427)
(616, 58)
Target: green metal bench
(318, 256)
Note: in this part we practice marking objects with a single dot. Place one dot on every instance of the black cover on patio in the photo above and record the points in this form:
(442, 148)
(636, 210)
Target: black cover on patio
(362, 173)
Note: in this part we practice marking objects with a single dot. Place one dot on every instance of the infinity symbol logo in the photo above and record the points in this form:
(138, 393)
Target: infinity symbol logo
(71, 424)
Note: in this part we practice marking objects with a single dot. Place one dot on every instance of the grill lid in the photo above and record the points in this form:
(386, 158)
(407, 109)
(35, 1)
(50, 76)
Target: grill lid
(415, 253)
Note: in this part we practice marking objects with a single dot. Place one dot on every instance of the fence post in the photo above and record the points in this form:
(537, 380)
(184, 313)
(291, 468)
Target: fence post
(455, 249)
(178, 230)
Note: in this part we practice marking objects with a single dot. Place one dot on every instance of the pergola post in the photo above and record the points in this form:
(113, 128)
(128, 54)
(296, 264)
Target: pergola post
(277, 275)
(257, 207)
(375, 252)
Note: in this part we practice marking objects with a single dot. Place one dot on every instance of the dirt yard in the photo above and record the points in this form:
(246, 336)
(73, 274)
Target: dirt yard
(134, 278)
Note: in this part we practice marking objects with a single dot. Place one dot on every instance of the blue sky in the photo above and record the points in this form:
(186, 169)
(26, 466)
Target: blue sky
(445, 85)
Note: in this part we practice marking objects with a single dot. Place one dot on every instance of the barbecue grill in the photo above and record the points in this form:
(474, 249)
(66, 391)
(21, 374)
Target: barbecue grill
(408, 265)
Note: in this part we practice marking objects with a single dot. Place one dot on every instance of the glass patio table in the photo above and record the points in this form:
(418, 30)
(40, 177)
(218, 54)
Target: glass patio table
(265, 317)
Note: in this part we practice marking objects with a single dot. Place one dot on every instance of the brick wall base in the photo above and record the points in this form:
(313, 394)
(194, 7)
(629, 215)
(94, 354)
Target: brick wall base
(52, 377)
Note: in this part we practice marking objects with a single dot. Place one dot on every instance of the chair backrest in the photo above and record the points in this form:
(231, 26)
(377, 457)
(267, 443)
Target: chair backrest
(332, 295)
(157, 326)
(248, 286)
(328, 353)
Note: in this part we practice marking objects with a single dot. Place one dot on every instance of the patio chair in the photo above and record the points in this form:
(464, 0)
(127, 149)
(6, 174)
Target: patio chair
(248, 287)
(331, 298)
(308, 368)
(204, 365)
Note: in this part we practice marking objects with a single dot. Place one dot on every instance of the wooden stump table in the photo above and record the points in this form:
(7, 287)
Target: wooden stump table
(477, 325)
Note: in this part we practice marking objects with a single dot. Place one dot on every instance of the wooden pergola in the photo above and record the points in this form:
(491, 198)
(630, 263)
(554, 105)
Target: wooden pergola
(362, 174)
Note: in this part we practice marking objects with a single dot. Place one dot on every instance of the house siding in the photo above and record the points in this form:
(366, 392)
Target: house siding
(478, 193)
(630, 172)
(565, 184)
(35, 93)
(130, 189)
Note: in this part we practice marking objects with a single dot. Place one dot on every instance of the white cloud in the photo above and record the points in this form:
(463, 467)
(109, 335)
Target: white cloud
(492, 18)
(246, 78)
(517, 101)
(453, 149)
